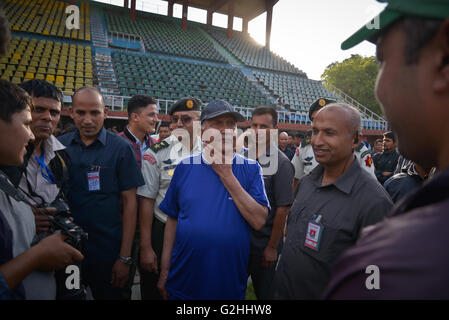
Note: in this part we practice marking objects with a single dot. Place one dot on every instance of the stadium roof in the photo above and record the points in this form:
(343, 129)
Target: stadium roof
(246, 9)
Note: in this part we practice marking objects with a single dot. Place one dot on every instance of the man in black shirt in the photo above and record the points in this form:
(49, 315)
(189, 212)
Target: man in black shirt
(386, 163)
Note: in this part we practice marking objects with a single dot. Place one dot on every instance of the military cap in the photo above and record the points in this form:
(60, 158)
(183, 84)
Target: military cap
(318, 104)
(218, 108)
(186, 104)
(395, 10)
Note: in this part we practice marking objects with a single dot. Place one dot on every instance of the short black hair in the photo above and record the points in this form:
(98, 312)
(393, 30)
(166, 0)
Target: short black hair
(139, 101)
(41, 88)
(418, 32)
(165, 124)
(390, 135)
(13, 99)
(267, 110)
(299, 135)
(379, 140)
(5, 33)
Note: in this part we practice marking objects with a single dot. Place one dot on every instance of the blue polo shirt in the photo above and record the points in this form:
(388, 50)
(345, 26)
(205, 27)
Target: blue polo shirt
(98, 212)
(211, 250)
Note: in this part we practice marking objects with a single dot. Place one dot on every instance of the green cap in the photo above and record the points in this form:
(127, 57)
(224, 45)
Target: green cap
(318, 104)
(186, 104)
(396, 9)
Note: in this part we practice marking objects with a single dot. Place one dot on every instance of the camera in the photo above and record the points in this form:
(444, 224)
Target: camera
(77, 237)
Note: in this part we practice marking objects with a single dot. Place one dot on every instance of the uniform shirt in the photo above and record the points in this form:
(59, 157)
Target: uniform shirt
(386, 162)
(158, 167)
(39, 185)
(212, 244)
(278, 188)
(353, 201)
(365, 160)
(38, 285)
(304, 161)
(98, 212)
(409, 248)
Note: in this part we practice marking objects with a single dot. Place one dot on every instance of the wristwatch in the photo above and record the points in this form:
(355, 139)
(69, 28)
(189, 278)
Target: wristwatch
(126, 260)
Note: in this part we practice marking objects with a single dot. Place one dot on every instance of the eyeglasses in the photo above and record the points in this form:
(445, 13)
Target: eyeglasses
(185, 119)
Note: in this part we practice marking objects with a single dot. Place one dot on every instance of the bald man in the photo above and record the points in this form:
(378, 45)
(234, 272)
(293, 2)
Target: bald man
(283, 145)
(332, 205)
(104, 171)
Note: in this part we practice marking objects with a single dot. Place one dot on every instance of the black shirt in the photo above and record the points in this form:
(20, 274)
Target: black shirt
(386, 162)
(353, 201)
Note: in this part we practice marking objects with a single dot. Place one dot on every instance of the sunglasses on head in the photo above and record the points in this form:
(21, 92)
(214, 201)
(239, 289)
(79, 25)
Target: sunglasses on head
(185, 119)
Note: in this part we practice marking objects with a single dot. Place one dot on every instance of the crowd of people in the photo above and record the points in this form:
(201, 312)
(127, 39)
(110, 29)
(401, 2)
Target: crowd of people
(198, 207)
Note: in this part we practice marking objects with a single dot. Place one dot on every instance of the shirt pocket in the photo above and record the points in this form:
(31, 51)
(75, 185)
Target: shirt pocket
(327, 251)
(108, 180)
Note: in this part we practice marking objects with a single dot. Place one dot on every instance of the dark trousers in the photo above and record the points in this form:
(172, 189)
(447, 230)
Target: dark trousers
(98, 277)
(127, 289)
(148, 280)
(261, 277)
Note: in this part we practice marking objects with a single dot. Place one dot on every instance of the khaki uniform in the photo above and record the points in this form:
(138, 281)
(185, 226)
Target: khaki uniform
(158, 165)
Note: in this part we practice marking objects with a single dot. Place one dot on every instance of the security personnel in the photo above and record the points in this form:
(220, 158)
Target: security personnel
(363, 155)
(332, 205)
(304, 159)
(159, 163)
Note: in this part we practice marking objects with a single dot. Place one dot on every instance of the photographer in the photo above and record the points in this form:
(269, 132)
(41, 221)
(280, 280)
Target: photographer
(17, 227)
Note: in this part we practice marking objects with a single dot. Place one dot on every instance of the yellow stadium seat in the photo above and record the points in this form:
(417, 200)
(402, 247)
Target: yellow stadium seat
(59, 79)
(16, 80)
(29, 76)
(50, 77)
(40, 76)
(59, 85)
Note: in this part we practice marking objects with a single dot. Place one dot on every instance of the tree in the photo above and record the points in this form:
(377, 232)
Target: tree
(356, 76)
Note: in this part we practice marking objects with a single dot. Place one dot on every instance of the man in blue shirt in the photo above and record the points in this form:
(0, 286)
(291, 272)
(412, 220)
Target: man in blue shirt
(211, 208)
(104, 170)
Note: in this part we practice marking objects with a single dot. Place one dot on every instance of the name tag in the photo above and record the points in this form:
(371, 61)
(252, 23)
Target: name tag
(93, 179)
(313, 235)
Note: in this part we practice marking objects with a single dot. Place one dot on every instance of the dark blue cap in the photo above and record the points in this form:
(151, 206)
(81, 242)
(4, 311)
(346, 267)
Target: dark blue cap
(218, 108)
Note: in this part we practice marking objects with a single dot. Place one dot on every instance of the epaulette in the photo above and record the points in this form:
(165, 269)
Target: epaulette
(364, 154)
(159, 146)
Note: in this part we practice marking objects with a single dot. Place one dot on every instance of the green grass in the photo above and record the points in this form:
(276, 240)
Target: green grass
(250, 295)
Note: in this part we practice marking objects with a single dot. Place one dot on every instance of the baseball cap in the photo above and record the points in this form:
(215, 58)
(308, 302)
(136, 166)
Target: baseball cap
(396, 9)
(318, 104)
(218, 108)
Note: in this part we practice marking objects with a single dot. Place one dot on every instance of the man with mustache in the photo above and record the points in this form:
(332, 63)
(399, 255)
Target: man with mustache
(332, 205)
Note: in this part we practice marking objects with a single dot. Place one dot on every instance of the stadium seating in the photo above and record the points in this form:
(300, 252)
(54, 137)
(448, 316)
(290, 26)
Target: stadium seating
(47, 17)
(250, 52)
(169, 79)
(67, 66)
(164, 35)
(296, 91)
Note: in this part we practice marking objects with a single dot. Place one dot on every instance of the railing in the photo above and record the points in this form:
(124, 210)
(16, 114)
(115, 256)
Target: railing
(118, 103)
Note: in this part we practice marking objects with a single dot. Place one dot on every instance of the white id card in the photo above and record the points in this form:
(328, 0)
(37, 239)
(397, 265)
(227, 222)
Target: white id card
(93, 179)
(313, 235)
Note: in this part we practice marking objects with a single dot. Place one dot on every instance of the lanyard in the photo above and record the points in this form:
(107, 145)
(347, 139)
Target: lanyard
(47, 176)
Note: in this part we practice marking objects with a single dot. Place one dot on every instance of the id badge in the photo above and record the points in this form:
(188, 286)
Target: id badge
(313, 235)
(93, 178)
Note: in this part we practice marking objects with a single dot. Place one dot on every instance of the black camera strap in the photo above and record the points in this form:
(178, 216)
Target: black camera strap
(7, 187)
